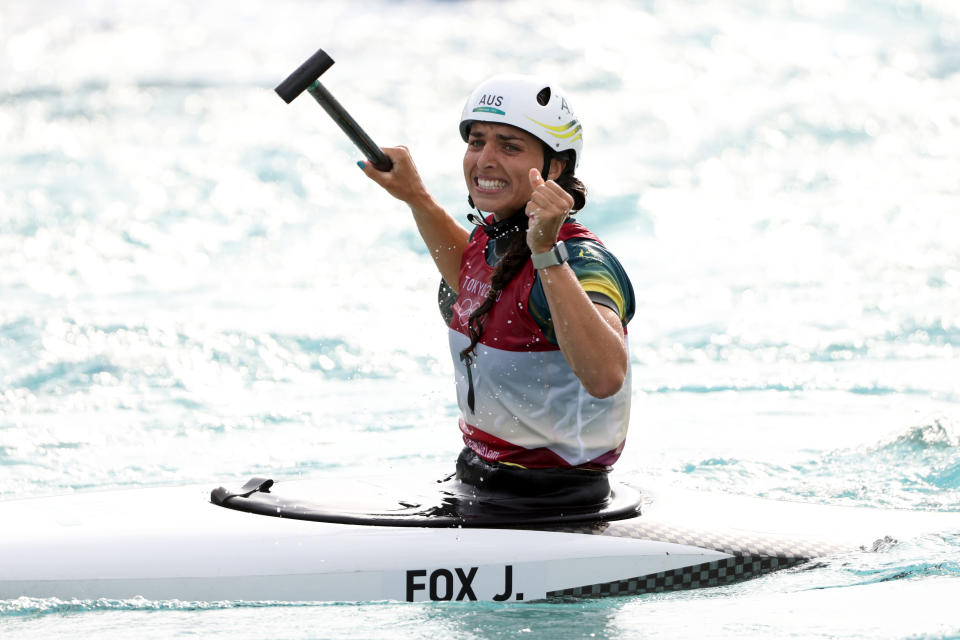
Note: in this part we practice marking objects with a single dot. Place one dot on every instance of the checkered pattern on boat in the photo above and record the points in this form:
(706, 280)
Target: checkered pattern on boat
(753, 555)
(709, 574)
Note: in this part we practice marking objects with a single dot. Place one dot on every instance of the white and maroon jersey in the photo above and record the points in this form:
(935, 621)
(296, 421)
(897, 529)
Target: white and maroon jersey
(529, 408)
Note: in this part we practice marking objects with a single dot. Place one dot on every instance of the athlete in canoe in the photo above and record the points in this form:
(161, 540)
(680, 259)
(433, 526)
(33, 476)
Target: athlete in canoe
(538, 326)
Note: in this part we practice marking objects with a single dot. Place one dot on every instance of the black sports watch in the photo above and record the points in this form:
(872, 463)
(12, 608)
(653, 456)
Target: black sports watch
(557, 255)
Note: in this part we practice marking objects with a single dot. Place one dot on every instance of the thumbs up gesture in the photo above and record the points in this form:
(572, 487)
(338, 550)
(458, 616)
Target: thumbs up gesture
(546, 211)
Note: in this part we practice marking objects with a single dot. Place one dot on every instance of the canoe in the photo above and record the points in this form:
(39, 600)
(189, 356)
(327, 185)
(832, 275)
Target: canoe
(357, 539)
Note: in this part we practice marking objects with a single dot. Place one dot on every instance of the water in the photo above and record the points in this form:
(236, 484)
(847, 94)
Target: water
(197, 283)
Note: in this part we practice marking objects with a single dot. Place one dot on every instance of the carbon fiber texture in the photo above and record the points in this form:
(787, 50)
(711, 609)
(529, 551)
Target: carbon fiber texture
(753, 555)
(709, 574)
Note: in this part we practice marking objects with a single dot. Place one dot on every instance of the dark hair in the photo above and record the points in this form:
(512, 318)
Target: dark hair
(567, 180)
(518, 251)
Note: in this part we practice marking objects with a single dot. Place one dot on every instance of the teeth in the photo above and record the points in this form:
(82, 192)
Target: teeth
(490, 185)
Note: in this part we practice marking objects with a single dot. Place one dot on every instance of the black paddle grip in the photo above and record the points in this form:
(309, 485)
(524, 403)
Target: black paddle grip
(305, 75)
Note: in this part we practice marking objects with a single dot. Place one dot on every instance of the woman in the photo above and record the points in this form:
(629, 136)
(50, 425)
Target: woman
(537, 331)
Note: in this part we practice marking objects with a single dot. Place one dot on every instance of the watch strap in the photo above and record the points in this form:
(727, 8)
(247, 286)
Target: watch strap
(557, 255)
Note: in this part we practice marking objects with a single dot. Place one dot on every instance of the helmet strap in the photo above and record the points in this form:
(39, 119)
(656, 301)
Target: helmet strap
(547, 157)
(499, 228)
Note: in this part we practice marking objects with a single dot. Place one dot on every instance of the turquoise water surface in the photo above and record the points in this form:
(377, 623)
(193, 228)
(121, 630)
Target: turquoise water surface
(197, 284)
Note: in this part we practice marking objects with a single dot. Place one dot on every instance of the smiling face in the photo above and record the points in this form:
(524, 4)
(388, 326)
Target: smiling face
(496, 167)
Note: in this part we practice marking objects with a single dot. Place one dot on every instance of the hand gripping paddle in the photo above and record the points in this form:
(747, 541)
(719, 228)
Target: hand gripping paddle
(307, 77)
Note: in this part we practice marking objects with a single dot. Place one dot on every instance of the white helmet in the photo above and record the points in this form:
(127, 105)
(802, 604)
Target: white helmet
(527, 103)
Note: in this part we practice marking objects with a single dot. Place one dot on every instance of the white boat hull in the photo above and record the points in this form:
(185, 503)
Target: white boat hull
(172, 543)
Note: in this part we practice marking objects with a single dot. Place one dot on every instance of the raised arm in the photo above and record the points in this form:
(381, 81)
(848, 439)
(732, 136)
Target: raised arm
(590, 336)
(444, 237)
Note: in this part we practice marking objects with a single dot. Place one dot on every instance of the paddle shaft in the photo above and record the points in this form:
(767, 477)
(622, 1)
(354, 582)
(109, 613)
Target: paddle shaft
(349, 126)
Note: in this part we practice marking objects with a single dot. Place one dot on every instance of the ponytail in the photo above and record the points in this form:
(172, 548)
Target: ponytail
(507, 268)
